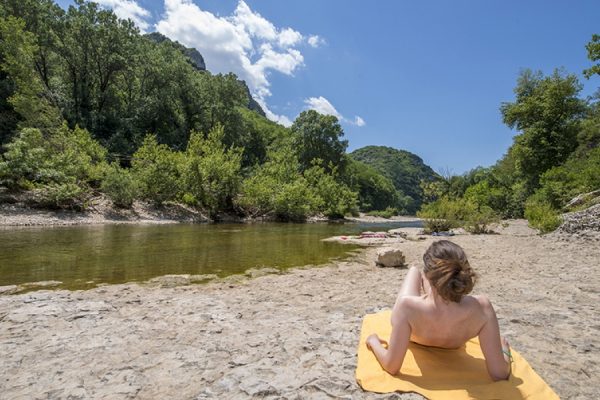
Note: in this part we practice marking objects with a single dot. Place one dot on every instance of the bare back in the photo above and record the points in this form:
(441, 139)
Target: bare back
(429, 320)
(439, 324)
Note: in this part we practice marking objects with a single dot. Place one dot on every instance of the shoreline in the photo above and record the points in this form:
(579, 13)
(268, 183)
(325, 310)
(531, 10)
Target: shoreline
(292, 335)
(101, 212)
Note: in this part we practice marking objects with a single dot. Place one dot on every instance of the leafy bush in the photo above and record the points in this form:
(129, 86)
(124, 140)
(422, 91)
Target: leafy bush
(211, 173)
(483, 193)
(441, 215)
(64, 195)
(294, 201)
(334, 199)
(189, 199)
(387, 213)
(62, 156)
(541, 215)
(445, 214)
(578, 175)
(477, 219)
(120, 186)
(157, 169)
(60, 166)
(277, 188)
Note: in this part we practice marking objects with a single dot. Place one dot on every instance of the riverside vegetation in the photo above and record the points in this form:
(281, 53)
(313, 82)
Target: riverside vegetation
(89, 106)
(554, 158)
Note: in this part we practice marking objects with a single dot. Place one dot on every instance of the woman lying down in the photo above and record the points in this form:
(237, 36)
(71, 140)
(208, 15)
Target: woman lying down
(433, 309)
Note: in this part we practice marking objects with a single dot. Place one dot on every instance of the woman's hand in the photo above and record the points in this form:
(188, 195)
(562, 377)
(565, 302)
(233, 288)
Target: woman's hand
(506, 350)
(375, 339)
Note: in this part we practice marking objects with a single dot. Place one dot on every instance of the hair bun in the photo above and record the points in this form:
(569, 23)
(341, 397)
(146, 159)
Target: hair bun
(448, 270)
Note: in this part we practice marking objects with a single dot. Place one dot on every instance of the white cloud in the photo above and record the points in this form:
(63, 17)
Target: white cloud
(244, 43)
(323, 106)
(315, 41)
(289, 37)
(283, 62)
(358, 121)
(128, 9)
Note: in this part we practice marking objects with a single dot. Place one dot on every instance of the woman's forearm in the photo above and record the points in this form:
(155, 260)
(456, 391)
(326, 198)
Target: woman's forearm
(383, 356)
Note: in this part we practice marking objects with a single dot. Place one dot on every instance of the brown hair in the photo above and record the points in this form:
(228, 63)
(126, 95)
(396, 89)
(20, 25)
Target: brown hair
(448, 270)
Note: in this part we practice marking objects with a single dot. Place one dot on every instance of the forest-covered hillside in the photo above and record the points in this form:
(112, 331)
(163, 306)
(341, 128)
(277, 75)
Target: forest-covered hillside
(405, 169)
(89, 106)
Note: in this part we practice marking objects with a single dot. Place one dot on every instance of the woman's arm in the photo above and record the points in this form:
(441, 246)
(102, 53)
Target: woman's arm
(391, 358)
(497, 364)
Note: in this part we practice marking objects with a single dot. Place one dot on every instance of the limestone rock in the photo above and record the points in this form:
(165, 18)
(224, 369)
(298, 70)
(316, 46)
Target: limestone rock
(591, 198)
(587, 220)
(9, 289)
(166, 281)
(389, 257)
(258, 272)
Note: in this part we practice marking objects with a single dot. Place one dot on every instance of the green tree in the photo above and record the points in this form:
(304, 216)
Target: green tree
(593, 49)
(319, 136)
(589, 134)
(278, 189)
(95, 47)
(158, 170)
(335, 199)
(28, 98)
(256, 135)
(547, 112)
(120, 186)
(212, 171)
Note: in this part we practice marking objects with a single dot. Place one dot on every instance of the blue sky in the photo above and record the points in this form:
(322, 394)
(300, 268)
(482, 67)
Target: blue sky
(427, 77)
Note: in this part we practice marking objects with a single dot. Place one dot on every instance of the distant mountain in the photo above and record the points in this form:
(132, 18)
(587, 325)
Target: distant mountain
(193, 55)
(253, 104)
(405, 169)
(197, 61)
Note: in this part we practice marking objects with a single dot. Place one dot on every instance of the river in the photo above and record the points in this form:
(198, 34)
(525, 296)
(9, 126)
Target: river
(82, 257)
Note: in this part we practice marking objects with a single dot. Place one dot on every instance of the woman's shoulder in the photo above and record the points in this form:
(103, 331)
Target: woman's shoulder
(407, 308)
(408, 305)
(482, 304)
(481, 299)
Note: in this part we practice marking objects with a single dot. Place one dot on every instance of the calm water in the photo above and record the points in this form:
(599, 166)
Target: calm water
(85, 256)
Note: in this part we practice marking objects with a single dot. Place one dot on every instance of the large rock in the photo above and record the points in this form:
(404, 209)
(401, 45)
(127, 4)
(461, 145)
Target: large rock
(9, 289)
(587, 220)
(389, 257)
(167, 281)
(590, 198)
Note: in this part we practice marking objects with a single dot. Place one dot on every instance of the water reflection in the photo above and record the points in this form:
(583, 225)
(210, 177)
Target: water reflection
(124, 253)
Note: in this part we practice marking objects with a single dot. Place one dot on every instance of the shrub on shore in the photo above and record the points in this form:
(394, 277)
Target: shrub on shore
(445, 214)
(120, 186)
(440, 215)
(158, 170)
(541, 215)
(389, 212)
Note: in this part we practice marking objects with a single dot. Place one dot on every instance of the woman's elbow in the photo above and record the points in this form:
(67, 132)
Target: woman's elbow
(392, 368)
(500, 376)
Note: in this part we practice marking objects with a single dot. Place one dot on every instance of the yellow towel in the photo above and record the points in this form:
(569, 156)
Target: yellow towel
(442, 373)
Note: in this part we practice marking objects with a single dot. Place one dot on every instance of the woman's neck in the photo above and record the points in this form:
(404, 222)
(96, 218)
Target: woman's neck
(432, 294)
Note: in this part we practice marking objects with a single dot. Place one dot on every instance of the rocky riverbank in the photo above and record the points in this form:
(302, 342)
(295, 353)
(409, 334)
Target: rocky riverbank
(292, 335)
(99, 211)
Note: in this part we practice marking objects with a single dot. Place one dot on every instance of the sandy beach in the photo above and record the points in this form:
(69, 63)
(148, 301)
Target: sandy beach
(292, 335)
